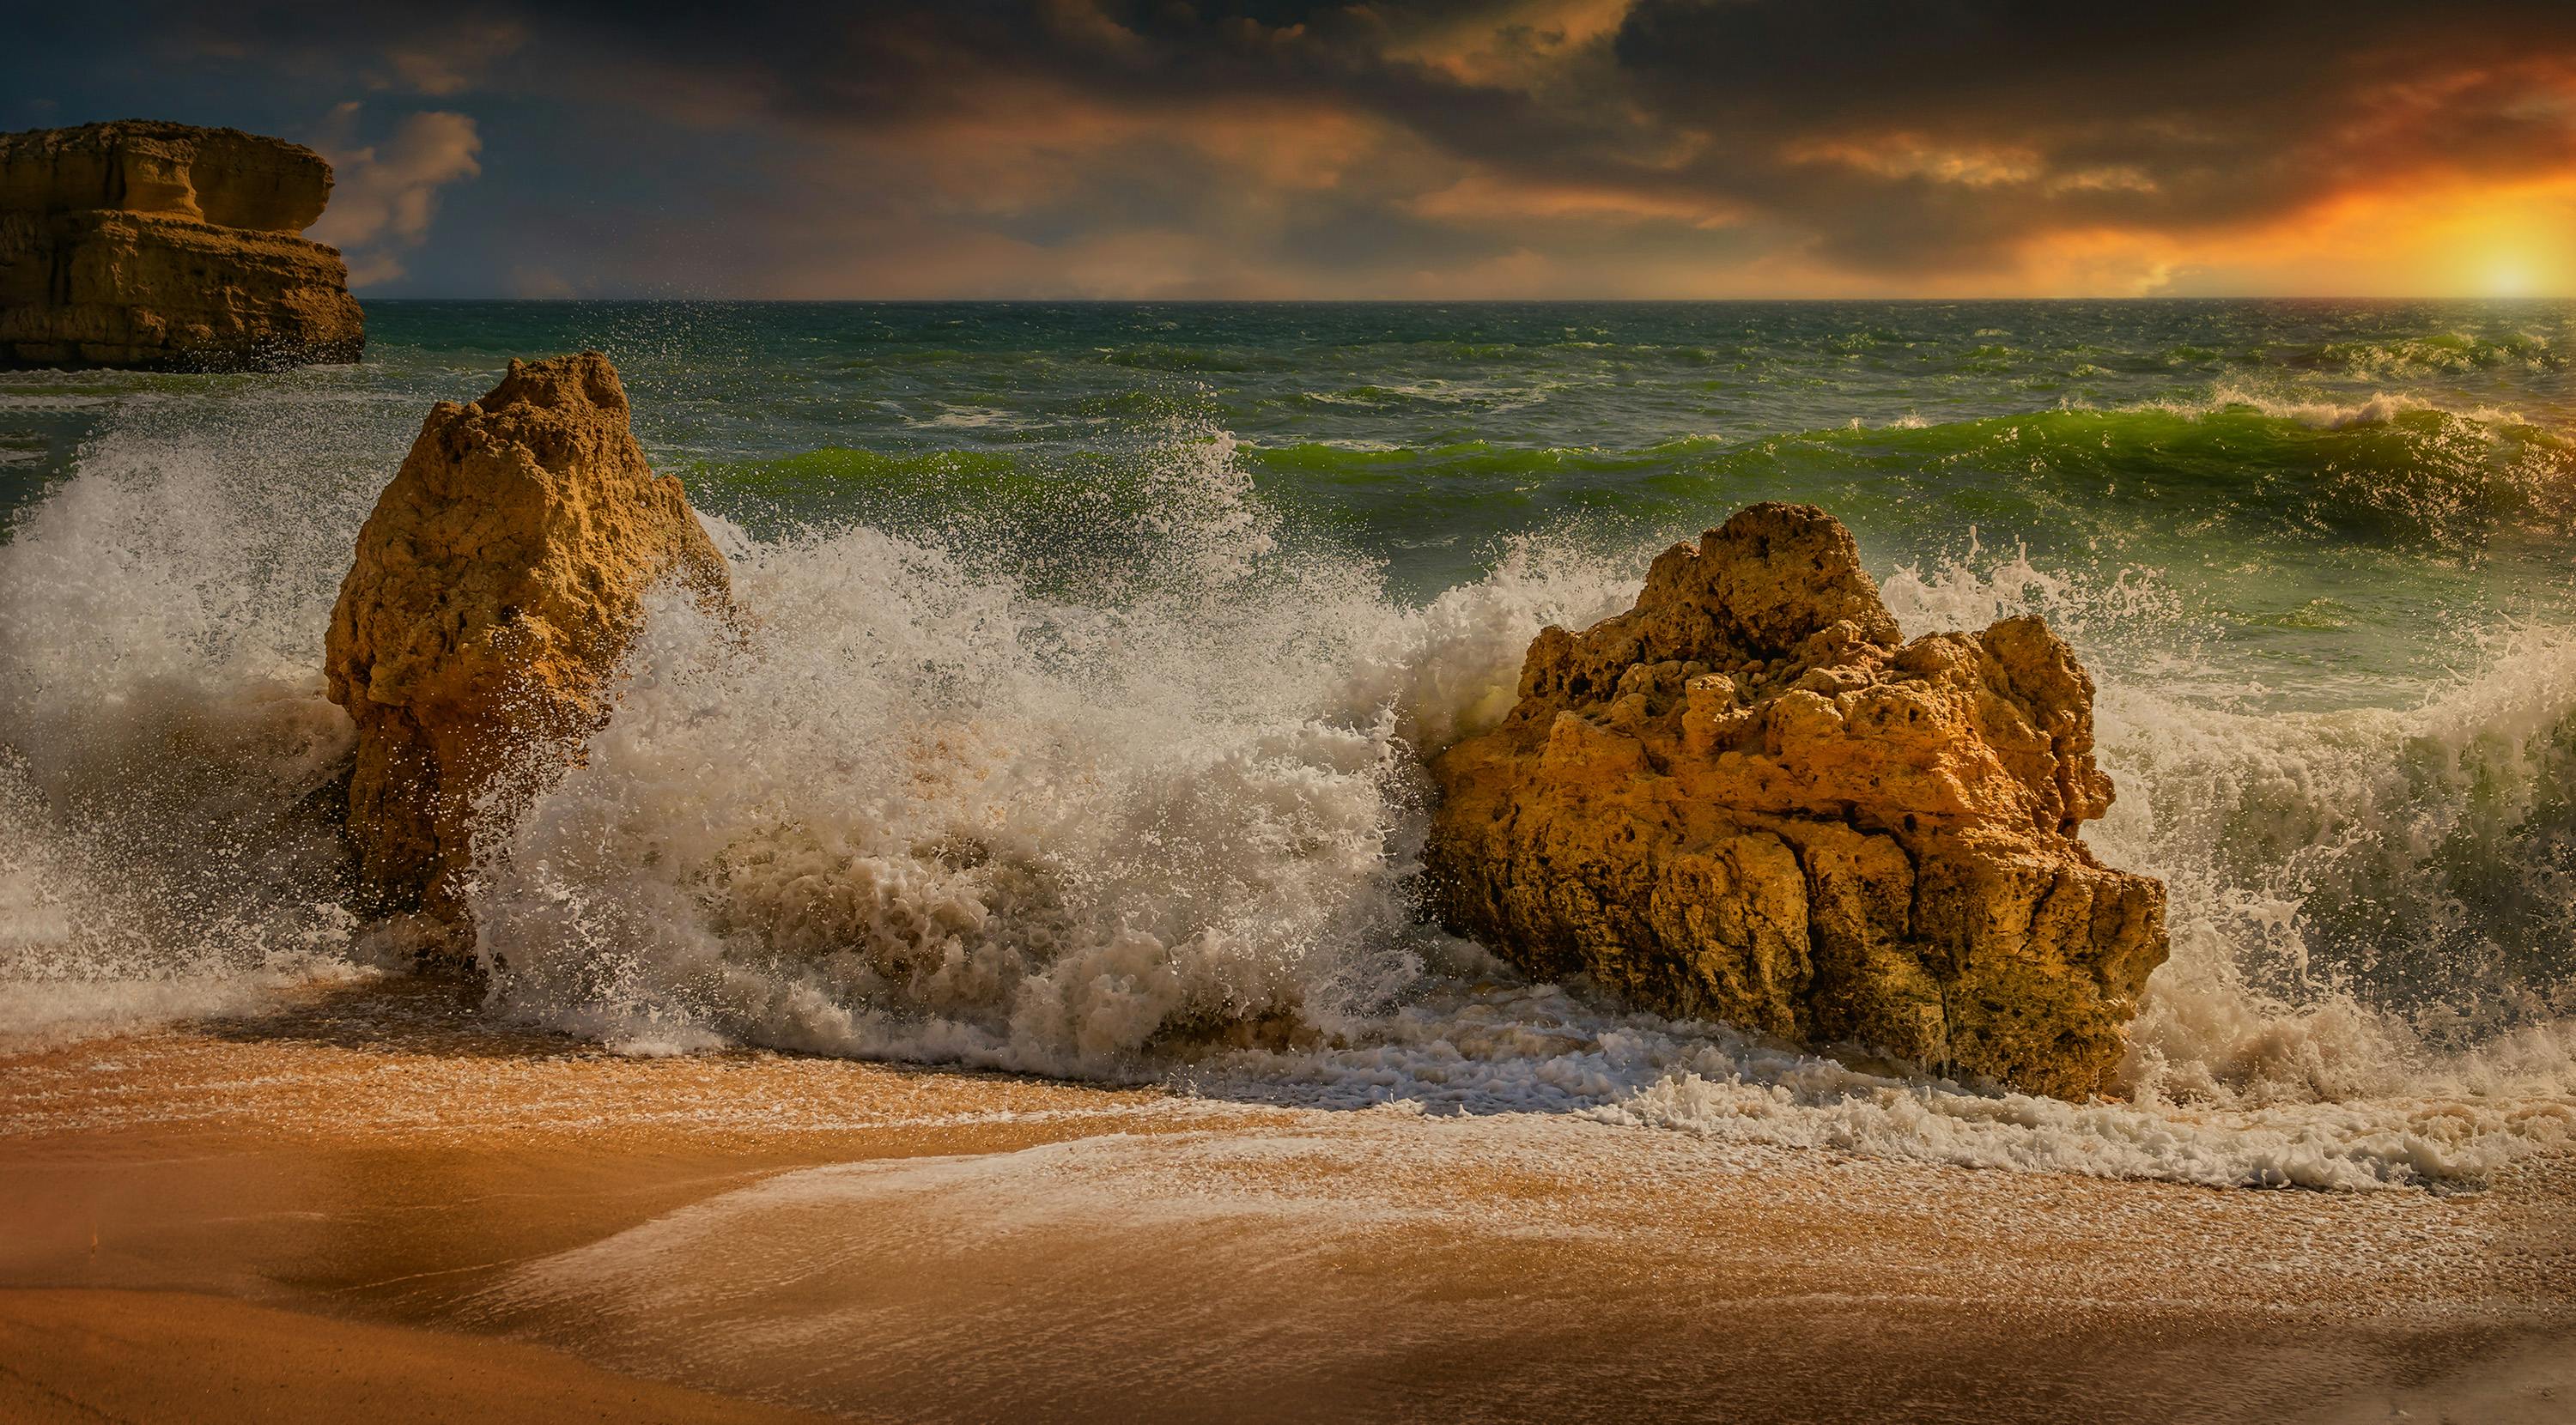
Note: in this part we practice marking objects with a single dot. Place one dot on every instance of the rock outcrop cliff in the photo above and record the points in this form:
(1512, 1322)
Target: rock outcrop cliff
(1748, 799)
(166, 246)
(496, 586)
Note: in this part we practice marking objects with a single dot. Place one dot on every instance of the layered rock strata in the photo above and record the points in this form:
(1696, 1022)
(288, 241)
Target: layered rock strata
(157, 245)
(496, 587)
(1748, 799)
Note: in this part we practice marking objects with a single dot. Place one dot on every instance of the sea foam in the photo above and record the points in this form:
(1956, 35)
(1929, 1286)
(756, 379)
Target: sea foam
(1150, 813)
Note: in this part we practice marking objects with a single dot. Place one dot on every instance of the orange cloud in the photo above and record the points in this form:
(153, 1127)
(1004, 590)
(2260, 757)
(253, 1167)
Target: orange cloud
(1906, 155)
(1514, 44)
(1010, 153)
(453, 58)
(384, 195)
(1484, 196)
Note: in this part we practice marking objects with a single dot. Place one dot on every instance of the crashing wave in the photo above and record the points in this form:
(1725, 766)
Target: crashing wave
(1151, 811)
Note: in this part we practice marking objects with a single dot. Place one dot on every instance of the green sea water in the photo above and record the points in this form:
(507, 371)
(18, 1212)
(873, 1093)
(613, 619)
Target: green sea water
(1202, 583)
(2336, 494)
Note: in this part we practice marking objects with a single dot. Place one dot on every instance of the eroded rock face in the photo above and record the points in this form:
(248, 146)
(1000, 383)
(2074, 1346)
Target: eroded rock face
(496, 586)
(167, 246)
(1747, 799)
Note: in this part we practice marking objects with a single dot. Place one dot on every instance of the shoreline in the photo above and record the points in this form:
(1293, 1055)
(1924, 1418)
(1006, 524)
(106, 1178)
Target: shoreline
(930, 1244)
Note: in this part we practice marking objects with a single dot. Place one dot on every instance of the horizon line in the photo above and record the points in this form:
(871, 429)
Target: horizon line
(2527, 299)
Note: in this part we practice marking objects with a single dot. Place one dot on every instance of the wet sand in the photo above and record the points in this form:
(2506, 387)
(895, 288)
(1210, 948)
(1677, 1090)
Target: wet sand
(119, 1355)
(375, 1206)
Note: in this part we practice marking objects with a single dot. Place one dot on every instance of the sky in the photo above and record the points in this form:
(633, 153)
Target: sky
(1448, 149)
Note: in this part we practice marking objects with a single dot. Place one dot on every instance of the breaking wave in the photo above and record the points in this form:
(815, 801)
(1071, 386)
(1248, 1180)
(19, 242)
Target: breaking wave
(165, 749)
(1144, 804)
(932, 812)
(2366, 903)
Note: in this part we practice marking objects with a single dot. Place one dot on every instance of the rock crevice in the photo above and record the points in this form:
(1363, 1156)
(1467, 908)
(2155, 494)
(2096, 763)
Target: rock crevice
(1748, 799)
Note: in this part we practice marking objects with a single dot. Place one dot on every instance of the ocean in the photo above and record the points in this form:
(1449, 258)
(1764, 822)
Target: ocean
(1102, 646)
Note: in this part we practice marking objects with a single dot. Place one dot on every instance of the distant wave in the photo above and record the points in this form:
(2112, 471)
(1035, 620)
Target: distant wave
(2379, 409)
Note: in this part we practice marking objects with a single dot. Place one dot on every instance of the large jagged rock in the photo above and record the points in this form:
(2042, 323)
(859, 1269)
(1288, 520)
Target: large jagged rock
(496, 587)
(166, 246)
(1746, 799)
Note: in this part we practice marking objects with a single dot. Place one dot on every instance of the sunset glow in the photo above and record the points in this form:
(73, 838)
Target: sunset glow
(1502, 148)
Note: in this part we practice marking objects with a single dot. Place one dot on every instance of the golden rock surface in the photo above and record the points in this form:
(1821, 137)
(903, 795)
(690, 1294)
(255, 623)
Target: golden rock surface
(1748, 799)
(496, 587)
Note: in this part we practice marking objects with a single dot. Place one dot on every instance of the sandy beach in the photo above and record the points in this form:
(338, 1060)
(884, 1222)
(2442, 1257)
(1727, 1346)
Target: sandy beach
(417, 1216)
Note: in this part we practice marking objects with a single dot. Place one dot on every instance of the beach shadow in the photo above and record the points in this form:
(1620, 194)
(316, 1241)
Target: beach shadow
(401, 1015)
(443, 1016)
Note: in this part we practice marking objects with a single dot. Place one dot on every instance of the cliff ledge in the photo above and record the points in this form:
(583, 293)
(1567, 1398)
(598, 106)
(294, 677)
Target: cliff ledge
(164, 246)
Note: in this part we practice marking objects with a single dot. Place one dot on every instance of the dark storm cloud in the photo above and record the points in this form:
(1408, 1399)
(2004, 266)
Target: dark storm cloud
(1891, 140)
(2177, 115)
